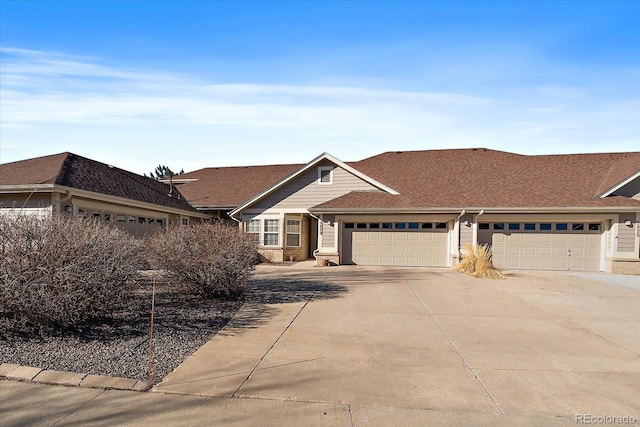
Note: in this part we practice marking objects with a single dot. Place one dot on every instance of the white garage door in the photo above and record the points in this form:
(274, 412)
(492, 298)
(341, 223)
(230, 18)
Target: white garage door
(546, 246)
(402, 244)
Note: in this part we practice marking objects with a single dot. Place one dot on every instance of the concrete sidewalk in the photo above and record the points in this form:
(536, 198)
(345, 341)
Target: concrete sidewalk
(23, 404)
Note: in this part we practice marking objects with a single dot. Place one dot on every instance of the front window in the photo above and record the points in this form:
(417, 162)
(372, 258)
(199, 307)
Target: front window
(271, 232)
(253, 226)
(293, 232)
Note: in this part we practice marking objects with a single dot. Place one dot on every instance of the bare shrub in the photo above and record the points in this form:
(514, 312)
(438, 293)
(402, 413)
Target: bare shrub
(477, 261)
(468, 261)
(60, 272)
(211, 259)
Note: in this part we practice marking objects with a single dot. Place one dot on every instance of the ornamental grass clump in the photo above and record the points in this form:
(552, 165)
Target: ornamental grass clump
(59, 272)
(208, 259)
(477, 262)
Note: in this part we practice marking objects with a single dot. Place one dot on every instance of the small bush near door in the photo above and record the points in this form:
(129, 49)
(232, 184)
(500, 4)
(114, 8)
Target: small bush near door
(210, 259)
(478, 262)
(61, 272)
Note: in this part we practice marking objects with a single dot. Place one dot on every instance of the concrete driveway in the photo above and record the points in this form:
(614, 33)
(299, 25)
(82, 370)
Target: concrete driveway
(545, 347)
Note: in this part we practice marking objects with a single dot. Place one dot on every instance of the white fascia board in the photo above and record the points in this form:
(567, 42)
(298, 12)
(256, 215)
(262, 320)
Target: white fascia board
(312, 163)
(619, 185)
(129, 202)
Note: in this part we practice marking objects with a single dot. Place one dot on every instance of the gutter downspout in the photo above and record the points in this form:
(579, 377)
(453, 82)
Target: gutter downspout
(238, 221)
(457, 225)
(63, 200)
(316, 250)
(475, 223)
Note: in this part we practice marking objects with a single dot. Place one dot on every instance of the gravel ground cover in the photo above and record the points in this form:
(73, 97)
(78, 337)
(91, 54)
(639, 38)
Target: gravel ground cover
(120, 348)
(182, 324)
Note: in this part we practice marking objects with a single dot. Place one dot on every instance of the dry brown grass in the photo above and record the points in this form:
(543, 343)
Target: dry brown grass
(477, 262)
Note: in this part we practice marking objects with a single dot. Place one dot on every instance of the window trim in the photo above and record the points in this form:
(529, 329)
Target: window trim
(248, 226)
(264, 232)
(322, 169)
(296, 233)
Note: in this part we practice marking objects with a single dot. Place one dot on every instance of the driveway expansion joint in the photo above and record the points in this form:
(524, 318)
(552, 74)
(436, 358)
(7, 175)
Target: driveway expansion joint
(235, 393)
(464, 360)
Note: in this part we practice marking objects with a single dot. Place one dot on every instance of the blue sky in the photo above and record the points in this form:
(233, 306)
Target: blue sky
(205, 83)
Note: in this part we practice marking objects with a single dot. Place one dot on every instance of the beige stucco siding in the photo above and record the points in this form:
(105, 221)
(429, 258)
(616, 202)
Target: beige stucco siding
(305, 191)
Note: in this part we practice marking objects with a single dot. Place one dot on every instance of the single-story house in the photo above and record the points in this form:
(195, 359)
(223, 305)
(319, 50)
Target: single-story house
(413, 208)
(417, 208)
(66, 183)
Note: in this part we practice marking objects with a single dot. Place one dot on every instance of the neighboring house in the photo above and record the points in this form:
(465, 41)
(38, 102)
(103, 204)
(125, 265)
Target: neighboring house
(417, 208)
(68, 183)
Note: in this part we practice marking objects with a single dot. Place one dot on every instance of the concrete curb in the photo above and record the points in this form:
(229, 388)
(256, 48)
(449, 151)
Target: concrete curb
(32, 374)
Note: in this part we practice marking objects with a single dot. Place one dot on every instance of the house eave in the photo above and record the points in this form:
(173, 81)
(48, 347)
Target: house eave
(129, 202)
(214, 207)
(619, 185)
(476, 210)
(21, 188)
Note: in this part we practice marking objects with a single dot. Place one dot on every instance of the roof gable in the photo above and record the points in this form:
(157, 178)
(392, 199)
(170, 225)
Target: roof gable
(313, 163)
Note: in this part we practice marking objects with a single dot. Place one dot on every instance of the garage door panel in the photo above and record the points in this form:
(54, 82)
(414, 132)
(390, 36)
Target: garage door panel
(560, 239)
(567, 250)
(539, 238)
(593, 251)
(404, 248)
(559, 251)
(543, 251)
(513, 250)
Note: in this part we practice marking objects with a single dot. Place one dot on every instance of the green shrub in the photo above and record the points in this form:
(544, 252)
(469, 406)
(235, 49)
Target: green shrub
(61, 272)
(211, 259)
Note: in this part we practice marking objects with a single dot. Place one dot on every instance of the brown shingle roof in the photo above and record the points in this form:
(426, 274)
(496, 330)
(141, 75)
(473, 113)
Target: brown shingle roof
(488, 178)
(71, 170)
(41, 170)
(231, 186)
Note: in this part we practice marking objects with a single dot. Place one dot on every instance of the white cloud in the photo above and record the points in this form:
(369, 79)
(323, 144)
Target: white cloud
(52, 102)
